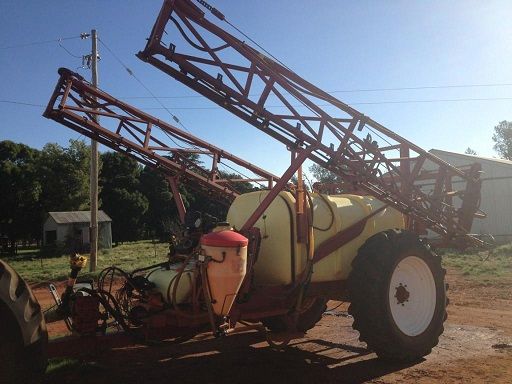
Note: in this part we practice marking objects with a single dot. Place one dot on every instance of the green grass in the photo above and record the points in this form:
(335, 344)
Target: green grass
(481, 265)
(127, 256)
(60, 366)
(473, 264)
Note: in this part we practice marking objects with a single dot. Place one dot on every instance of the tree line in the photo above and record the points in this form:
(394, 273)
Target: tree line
(56, 179)
(34, 182)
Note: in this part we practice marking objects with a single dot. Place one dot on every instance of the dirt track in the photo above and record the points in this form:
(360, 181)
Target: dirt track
(475, 348)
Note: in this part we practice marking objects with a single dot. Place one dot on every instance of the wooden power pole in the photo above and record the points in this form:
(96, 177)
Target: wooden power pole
(94, 164)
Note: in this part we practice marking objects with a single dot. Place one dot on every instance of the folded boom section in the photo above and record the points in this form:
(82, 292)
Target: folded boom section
(126, 129)
(274, 99)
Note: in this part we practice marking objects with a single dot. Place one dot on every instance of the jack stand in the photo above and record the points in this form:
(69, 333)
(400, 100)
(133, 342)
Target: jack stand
(57, 313)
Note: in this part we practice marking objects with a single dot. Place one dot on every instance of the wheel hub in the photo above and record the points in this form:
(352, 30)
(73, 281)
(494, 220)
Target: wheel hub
(412, 313)
(401, 294)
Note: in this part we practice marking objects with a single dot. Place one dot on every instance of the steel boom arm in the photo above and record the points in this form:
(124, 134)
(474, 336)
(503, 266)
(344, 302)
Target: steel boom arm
(248, 83)
(126, 129)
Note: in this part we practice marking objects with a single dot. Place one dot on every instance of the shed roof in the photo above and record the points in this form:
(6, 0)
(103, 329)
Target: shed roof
(472, 158)
(77, 217)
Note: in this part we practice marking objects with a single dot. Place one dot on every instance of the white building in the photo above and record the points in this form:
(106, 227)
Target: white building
(496, 200)
(72, 228)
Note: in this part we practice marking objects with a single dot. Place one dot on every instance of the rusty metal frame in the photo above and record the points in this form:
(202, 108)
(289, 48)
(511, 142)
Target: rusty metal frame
(126, 129)
(363, 152)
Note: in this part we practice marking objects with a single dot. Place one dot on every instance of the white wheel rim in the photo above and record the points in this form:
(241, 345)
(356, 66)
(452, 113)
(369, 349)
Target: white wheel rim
(412, 295)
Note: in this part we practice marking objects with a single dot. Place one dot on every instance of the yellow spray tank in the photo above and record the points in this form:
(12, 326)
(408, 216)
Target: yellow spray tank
(281, 258)
(174, 282)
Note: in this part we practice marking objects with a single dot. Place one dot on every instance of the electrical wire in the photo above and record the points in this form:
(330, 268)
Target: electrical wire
(175, 118)
(362, 103)
(130, 72)
(222, 17)
(258, 45)
(320, 105)
(353, 90)
(21, 103)
(41, 42)
(68, 52)
(423, 87)
(431, 101)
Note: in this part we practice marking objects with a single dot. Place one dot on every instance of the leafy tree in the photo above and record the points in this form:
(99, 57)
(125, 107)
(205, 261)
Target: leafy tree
(120, 196)
(470, 151)
(213, 204)
(502, 138)
(20, 211)
(162, 211)
(64, 175)
(240, 187)
(323, 175)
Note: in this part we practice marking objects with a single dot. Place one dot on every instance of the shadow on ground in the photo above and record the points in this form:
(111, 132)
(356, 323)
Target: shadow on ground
(242, 358)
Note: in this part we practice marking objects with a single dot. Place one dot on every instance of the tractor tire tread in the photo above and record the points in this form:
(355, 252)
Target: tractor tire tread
(368, 308)
(29, 351)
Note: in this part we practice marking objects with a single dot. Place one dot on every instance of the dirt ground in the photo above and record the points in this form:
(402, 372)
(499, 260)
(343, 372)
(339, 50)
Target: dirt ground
(476, 347)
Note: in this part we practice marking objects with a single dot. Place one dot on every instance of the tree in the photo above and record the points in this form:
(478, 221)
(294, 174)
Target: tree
(323, 175)
(64, 175)
(470, 151)
(121, 197)
(20, 210)
(162, 212)
(213, 204)
(502, 138)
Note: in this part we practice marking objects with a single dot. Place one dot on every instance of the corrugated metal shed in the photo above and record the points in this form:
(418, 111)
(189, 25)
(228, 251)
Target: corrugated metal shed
(71, 229)
(496, 193)
(77, 217)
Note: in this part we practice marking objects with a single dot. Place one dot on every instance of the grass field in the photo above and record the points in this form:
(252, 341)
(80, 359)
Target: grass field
(482, 265)
(473, 264)
(127, 256)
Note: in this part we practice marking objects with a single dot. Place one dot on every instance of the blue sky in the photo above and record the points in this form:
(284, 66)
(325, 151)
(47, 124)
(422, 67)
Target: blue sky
(337, 45)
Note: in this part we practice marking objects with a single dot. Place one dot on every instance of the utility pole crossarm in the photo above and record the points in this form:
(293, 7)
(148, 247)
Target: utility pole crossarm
(75, 103)
(277, 101)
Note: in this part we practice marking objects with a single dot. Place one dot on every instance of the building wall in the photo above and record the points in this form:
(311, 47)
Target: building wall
(66, 231)
(496, 194)
(62, 231)
(49, 225)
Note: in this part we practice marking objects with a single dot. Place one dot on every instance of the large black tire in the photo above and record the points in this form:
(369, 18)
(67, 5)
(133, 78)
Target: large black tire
(23, 334)
(398, 296)
(309, 315)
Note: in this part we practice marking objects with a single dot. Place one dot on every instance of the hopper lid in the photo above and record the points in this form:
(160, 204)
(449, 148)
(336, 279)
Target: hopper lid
(224, 239)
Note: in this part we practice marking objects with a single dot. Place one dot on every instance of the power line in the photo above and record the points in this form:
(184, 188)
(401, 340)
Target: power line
(130, 72)
(423, 87)
(354, 90)
(431, 101)
(21, 103)
(320, 105)
(175, 118)
(221, 17)
(361, 103)
(153, 96)
(41, 42)
(68, 51)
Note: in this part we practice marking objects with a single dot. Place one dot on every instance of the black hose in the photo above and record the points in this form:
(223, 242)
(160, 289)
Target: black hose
(198, 47)
(330, 209)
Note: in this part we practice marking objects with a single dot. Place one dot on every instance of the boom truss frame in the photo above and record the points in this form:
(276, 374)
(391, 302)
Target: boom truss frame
(128, 130)
(246, 82)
